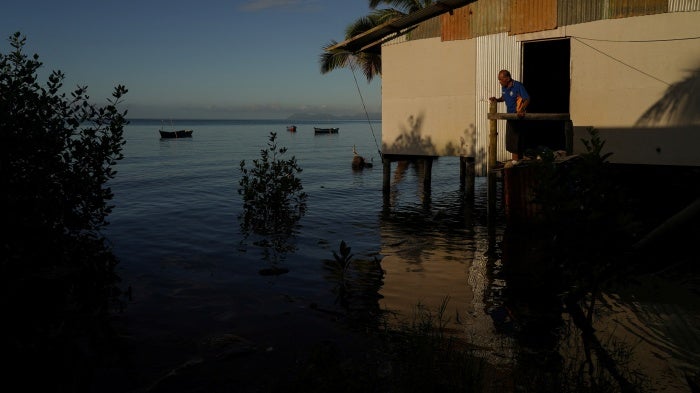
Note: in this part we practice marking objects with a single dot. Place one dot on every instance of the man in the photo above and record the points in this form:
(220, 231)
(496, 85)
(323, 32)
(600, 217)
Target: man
(517, 99)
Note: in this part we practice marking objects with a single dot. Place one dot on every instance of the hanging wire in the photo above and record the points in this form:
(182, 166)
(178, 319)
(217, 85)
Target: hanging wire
(623, 63)
(379, 150)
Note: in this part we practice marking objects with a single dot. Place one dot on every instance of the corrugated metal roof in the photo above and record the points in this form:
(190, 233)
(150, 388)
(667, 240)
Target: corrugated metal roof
(388, 30)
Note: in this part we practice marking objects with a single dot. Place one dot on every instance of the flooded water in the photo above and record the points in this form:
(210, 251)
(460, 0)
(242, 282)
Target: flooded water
(176, 232)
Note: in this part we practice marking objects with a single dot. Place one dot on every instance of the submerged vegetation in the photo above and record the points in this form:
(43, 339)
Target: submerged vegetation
(273, 200)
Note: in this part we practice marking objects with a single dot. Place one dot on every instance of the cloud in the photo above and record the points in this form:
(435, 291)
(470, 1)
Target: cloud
(260, 5)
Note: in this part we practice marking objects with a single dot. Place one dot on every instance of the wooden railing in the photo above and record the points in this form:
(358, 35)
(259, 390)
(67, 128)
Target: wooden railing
(493, 117)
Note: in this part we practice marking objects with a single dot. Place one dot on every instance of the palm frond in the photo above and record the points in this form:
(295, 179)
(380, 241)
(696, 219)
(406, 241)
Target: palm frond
(333, 59)
(406, 6)
(679, 105)
(362, 25)
(370, 64)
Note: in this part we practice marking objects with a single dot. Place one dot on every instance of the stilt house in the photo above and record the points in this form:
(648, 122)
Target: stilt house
(630, 69)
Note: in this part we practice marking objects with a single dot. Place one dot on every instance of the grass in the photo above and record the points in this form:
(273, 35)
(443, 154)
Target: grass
(419, 354)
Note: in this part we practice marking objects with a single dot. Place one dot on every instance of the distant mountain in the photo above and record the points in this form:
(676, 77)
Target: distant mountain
(329, 117)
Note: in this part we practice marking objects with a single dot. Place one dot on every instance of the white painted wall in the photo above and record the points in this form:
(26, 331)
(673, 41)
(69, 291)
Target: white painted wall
(615, 78)
(614, 81)
(428, 96)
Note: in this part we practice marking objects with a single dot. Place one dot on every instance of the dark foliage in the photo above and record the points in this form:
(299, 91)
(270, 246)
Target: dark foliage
(273, 198)
(580, 248)
(58, 272)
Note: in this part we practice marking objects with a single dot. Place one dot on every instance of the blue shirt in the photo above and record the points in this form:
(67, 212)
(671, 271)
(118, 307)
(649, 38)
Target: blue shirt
(510, 95)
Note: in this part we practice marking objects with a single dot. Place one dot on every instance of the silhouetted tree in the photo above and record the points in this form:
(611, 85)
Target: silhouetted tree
(58, 272)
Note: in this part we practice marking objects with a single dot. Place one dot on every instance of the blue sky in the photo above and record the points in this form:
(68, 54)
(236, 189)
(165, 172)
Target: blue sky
(219, 59)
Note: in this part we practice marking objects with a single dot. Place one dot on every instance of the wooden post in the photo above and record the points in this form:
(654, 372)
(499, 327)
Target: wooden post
(493, 136)
(427, 179)
(471, 175)
(493, 144)
(467, 174)
(386, 178)
(569, 135)
(428, 173)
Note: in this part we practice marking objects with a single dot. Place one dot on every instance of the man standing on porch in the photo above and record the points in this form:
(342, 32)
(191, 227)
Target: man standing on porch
(517, 99)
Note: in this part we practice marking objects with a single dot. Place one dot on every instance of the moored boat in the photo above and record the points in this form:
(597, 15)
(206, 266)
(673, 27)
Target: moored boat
(176, 134)
(292, 128)
(318, 130)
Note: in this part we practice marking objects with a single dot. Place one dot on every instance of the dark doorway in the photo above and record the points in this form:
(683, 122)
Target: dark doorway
(546, 77)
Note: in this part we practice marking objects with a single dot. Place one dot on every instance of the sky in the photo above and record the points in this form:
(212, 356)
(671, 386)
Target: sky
(206, 59)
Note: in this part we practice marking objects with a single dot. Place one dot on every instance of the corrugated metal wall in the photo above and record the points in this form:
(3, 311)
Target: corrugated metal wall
(493, 53)
(428, 29)
(627, 8)
(683, 5)
(527, 16)
(455, 25)
(571, 12)
(489, 17)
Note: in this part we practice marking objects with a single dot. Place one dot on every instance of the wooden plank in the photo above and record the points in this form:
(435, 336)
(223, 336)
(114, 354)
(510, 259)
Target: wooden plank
(529, 116)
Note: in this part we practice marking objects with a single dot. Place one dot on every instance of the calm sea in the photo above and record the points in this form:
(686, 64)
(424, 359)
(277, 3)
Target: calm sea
(176, 232)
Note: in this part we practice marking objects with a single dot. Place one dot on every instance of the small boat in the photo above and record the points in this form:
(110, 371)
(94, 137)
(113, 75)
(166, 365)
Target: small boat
(292, 128)
(318, 130)
(176, 134)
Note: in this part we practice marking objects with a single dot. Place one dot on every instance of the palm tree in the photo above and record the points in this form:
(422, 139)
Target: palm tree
(404, 6)
(369, 62)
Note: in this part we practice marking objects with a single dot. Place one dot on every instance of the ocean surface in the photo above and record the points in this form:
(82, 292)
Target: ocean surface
(176, 232)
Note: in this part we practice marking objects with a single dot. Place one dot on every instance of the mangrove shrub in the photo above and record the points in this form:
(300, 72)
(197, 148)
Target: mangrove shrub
(58, 272)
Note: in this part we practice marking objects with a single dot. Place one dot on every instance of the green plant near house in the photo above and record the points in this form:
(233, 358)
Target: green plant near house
(588, 229)
(339, 267)
(273, 199)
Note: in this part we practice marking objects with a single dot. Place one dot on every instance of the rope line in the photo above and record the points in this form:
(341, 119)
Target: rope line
(622, 62)
(357, 85)
(660, 40)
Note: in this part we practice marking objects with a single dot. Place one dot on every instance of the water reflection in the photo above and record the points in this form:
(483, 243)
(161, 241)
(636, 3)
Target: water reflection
(436, 250)
(506, 298)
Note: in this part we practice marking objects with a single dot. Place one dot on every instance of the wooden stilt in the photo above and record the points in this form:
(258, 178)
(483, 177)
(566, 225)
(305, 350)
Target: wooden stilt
(428, 174)
(386, 178)
(493, 144)
(569, 135)
(467, 174)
